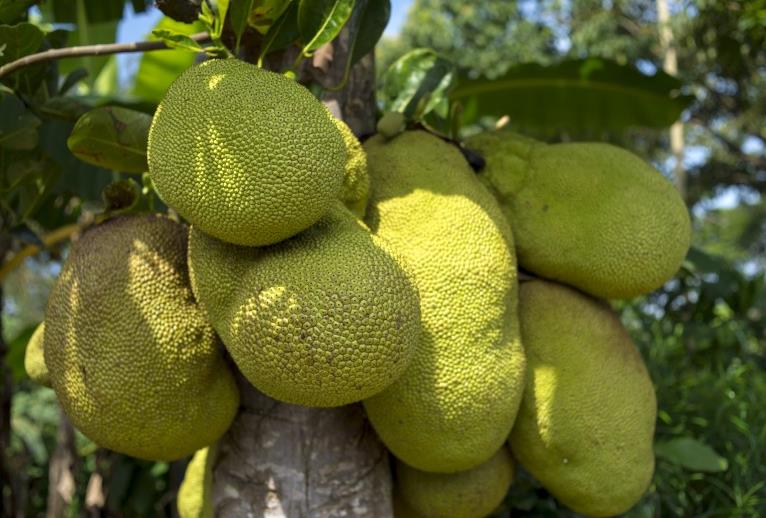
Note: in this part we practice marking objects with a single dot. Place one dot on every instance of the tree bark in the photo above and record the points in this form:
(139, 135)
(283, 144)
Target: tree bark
(61, 470)
(281, 460)
(670, 66)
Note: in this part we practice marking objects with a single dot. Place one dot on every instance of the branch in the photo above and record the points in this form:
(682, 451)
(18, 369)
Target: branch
(92, 50)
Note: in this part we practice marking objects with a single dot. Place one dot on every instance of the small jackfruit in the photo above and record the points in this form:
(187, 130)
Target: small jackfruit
(246, 155)
(587, 418)
(590, 215)
(474, 493)
(34, 360)
(195, 496)
(133, 361)
(356, 182)
(324, 319)
(454, 406)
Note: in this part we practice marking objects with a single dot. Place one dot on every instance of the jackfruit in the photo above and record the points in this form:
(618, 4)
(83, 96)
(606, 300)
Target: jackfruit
(195, 496)
(474, 493)
(455, 404)
(590, 215)
(586, 422)
(132, 360)
(323, 319)
(356, 182)
(34, 361)
(246, 155)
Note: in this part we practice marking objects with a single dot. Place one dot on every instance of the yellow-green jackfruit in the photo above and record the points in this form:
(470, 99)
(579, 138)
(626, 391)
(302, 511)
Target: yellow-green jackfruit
(133, 361)
(246, 155)
(34, 360)
(323, 319)
(466, 494)
(587, 418)
(195, 496)
(590, 215)
(356, 183)
(453, 407)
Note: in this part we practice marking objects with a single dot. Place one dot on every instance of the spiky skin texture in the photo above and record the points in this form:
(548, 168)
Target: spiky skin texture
(195, 496)
(590, 215)
(133, 361)
(356, 183)
(323, 319)
(587, 418)
(466, 494)
(34, 361)
(246, 155)
(451, 409)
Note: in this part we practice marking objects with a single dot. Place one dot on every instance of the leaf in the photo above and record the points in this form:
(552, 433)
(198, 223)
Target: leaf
(320, 21)
(417, 83)
(372, 21)
(112, 138)
(176, 40)
(121, 196)
(64, 11)
(691, 454)
(222, 7)
(16, 350)
(238, 13)
(18, 126)
(265, 13)
(72, 79)
(16, 42)
(157, 70)
(587, 94)
(282, 33)
(12, 10)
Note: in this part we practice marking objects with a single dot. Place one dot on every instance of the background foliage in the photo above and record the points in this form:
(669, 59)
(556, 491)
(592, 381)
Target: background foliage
(539, 62)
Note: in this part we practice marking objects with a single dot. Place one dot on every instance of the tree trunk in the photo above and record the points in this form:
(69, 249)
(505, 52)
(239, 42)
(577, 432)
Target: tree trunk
(281, 460)
(670, 65)
(61, 470)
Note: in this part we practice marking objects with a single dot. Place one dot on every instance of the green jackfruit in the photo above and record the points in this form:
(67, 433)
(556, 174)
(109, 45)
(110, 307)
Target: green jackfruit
(474, 493)
(455, 404)
(323, 319)
(133, 361)
(195, 496)
(34, 360)
(590, 215)
(246, 155)
(356, 183)
(586, 421)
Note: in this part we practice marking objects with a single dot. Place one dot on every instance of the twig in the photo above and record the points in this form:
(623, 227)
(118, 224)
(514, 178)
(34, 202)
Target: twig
(50, 239)
(91, 50)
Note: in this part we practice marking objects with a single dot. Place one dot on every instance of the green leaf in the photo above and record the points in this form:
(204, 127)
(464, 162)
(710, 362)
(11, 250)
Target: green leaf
(373, 16)
(158, 69)
(12, 10)
(64, 11)
(17, 41)
(18, 126)
(320, 21)
(222, 7)
(282, 33)
(16, 350)
(588, 94)
(112, 138)
(176, 40)
(417, 83)
(264, 13)
(238, 13)
(691, 454)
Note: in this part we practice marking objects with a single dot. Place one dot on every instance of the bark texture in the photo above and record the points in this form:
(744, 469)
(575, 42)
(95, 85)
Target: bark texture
(281, 460)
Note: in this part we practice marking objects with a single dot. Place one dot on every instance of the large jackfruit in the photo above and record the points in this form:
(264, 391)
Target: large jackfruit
(474, 493)
(246, 155)
(453, 406)
(356, 183)
(195, 496)
(34, 360)
(587, 418)
(323, 319)
(590, 215)
(133, 361)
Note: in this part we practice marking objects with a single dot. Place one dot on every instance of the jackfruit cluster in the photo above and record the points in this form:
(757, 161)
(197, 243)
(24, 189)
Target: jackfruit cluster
(331, 272)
